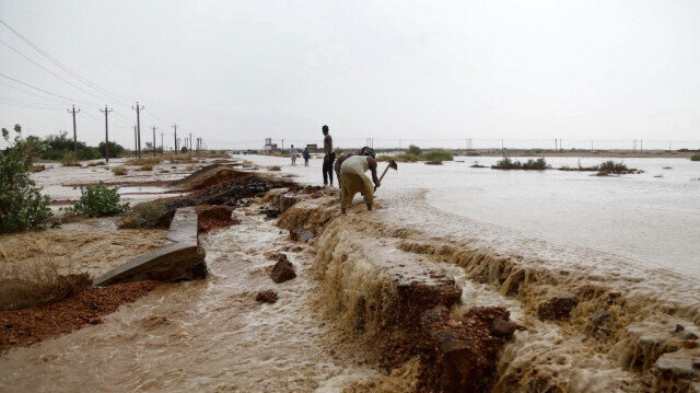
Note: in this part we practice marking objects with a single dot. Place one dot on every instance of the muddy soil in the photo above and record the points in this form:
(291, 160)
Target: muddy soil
(90, 246)
(31, 325)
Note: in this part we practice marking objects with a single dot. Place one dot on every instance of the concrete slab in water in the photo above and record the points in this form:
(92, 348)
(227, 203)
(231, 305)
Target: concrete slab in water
(183, 227)
(174, 262)
(182, 260)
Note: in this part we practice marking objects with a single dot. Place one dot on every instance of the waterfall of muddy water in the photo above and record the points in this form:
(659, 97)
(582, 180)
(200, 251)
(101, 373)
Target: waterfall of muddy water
(202, 336)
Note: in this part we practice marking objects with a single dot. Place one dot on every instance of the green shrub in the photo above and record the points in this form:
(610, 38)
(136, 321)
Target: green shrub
(437, 155)
(70, 159)
(695, 157)
(506, 163)
(99, 201)
(414, 150)
(616, 168)
(115, 149)
(537, 165)
(22, 206)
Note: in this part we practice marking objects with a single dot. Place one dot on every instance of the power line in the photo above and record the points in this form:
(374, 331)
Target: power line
(57, 63)
(46, 69)
(37, 88)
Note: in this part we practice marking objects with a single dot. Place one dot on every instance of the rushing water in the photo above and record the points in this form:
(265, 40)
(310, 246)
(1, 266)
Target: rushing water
(200, 336)
(652, 219)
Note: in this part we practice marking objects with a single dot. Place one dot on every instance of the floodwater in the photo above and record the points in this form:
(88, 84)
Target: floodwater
(60, 183)
(200, 336)
(644, 219)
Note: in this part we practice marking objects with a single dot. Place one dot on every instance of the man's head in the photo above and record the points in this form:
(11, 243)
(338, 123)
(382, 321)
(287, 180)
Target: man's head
(367, 151)
(324, 129)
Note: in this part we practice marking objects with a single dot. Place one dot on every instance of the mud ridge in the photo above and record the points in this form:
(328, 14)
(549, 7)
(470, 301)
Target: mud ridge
(599, 328)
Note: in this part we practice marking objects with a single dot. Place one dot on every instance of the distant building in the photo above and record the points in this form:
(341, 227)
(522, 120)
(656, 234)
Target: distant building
(312, 147)
(269, 146)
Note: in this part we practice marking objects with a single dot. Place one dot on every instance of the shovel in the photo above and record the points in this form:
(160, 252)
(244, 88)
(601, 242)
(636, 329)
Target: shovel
(392, 164)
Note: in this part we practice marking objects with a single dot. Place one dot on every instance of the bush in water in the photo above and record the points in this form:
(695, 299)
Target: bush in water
(98, 201)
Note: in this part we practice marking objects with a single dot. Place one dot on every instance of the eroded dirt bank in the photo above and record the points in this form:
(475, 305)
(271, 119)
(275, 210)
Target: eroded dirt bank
(582, 333)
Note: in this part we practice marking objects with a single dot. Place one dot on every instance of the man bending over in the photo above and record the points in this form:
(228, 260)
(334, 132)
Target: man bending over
(353, 180)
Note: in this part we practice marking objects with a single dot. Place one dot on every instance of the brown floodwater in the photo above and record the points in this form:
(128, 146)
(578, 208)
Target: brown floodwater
(203, 336)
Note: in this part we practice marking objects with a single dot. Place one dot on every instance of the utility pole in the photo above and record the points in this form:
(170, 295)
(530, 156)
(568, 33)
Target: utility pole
(138, 109)
(106, 112)
(162, 147)
(75, 133)
(136, 140)
(154, 139)
(190, 148)
(175, 137)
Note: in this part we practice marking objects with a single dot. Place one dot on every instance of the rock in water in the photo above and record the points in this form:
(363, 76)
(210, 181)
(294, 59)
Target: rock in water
(557, 307)
(283, 270)
(268, 296)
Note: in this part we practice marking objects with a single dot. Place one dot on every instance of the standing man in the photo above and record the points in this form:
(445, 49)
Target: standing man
(293, 155)
(306, 156)
(328, 158)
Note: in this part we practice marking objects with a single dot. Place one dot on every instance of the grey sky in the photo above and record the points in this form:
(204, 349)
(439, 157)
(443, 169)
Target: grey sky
(238, 71)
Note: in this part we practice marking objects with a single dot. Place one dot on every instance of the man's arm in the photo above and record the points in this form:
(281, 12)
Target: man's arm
(372, 163)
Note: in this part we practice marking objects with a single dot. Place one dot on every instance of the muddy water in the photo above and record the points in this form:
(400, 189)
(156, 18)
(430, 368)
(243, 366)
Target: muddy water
(636, 227)
(56, 180)
(207, 336)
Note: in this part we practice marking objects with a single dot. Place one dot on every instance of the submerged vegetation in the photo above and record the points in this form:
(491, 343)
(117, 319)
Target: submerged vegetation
(695, 157)
(119, 170)
(531, 165)
(415, 154)
(22, 206)
(615, 168)
(99, 201)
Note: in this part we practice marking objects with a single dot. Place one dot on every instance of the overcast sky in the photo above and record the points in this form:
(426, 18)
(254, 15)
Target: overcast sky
(234, 72)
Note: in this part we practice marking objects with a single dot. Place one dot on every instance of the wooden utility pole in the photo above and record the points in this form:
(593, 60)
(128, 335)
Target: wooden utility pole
(106, 112)
(162, 147)
(175, 137)
(154, 139)
(138, 108)
(136, 141)
(75, 133)
(190, 142)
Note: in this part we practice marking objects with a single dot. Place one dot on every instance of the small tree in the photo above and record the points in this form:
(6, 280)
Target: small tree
(115, 149)
(22, 206)
(414, 150)
(99, 201)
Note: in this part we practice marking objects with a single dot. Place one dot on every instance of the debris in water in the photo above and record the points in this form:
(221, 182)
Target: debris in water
(557, 307)
(213, 217)
(283, 270)
(268, 296)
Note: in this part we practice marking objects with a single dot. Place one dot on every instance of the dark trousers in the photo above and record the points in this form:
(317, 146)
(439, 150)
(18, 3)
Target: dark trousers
(328, 168)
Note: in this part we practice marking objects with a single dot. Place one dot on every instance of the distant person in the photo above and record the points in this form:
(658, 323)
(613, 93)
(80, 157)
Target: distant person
(306, 156)
(293, 154)
(328, 158)
(353, 180)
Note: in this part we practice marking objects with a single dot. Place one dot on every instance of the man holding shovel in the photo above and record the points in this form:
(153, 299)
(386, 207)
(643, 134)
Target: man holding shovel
(354, 180)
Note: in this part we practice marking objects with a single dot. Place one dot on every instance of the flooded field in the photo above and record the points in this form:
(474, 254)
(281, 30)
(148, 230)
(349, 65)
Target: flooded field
(642, 219)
